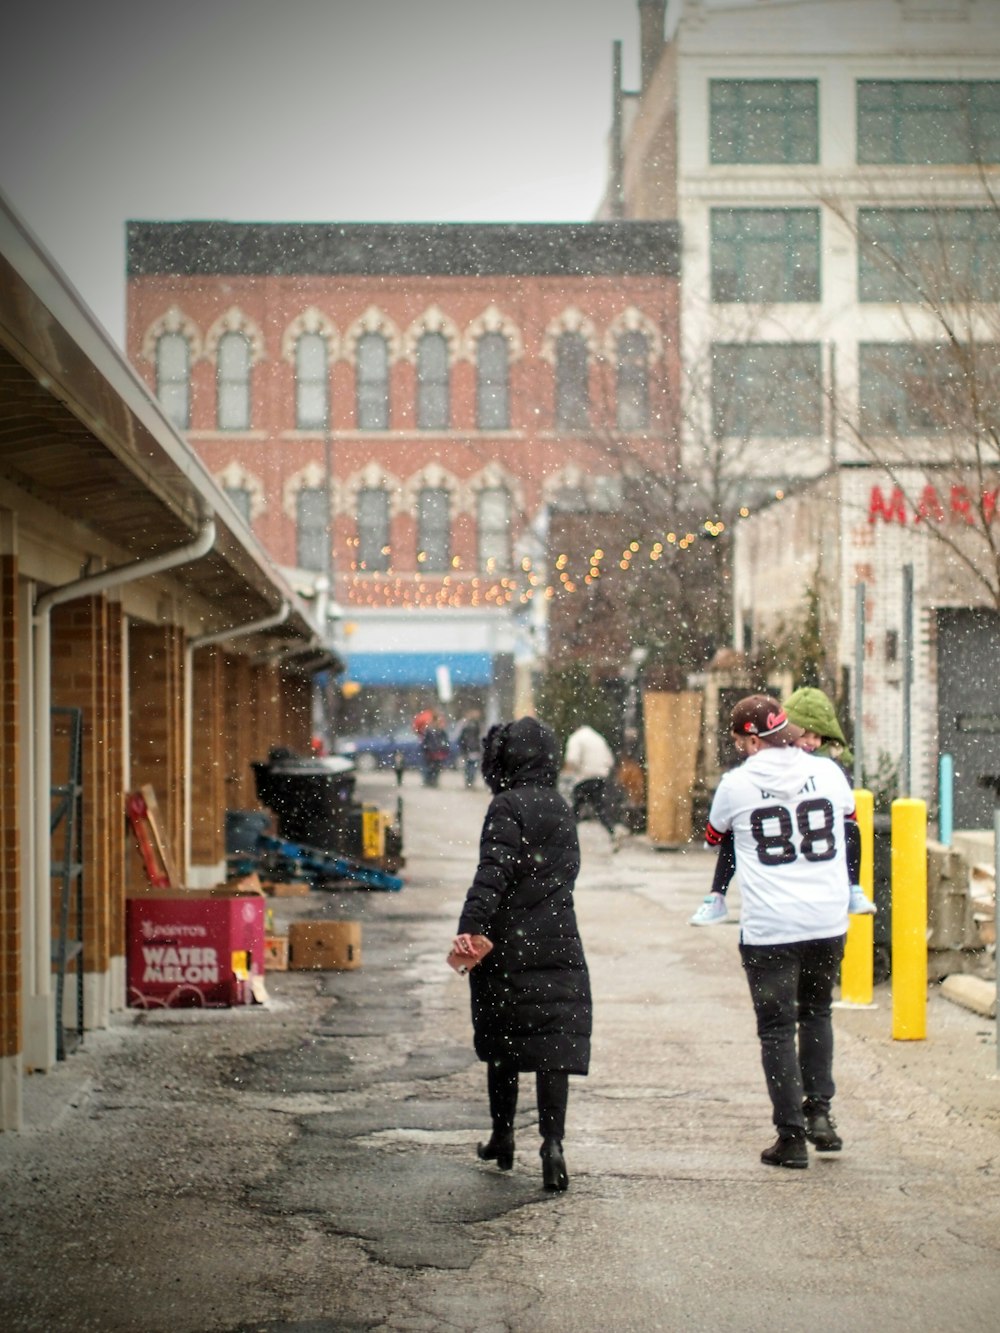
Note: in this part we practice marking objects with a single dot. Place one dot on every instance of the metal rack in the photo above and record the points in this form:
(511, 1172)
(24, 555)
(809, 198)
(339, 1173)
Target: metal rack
(66, 818)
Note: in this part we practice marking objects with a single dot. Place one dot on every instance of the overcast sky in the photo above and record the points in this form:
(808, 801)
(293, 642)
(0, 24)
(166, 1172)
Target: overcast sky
(311, 110)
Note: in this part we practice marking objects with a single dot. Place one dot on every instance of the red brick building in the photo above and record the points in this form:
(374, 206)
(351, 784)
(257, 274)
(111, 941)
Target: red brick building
(401, 406)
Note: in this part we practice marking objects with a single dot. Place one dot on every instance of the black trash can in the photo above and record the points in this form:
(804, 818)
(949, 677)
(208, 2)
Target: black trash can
(882, 885)
(313, 799)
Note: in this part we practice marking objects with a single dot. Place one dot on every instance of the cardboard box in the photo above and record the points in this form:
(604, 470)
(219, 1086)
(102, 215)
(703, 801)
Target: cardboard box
(293, 888)
(193, 947)
(329, 946)
(275, 953)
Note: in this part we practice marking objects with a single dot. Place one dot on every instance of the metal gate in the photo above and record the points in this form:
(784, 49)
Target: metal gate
(968, 654)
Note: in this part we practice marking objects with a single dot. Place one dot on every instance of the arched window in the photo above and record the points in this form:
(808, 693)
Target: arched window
(433, 529)
(311, 529)
(492, 382)
(493, 530)
(233, 379)
(433, 406)
(572, 389)
(312, 398)
(373, 529)
(173, 370)
(239, 498)
(373, 382)
(633, 381)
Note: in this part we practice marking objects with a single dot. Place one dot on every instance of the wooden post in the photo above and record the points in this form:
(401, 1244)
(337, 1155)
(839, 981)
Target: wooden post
(673, 727)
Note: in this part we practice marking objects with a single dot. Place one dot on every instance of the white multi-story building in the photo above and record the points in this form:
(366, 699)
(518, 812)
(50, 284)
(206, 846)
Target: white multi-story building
(835, 167)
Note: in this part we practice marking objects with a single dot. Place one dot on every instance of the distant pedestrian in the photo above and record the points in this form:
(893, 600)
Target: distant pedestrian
(787, 811)
(531, 1004)
(470, 745)
(589, 761)
(436, 748)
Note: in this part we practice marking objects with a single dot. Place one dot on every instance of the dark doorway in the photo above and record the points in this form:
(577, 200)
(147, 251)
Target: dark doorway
(969, 709)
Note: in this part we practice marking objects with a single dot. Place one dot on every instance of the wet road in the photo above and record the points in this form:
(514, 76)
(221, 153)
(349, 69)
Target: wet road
(311, 1166)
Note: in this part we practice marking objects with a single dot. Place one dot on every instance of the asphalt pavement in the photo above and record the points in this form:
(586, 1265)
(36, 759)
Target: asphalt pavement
(310, 1165)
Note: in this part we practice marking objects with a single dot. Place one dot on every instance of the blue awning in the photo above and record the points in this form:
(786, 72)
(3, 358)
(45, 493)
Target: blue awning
(418, 668)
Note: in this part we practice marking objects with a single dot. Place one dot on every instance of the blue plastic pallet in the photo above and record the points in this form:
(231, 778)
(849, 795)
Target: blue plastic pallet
(313, 864)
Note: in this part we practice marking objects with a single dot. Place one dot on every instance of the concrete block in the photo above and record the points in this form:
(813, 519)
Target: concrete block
(972, 993)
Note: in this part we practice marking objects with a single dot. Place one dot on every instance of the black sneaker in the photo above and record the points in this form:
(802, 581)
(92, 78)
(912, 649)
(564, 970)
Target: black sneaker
(787, 1152)
(821, 1131)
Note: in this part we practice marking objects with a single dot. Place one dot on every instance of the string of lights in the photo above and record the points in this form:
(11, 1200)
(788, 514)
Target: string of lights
(472, 589)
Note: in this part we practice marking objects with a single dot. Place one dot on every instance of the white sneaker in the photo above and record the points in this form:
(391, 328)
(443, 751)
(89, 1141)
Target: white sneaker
(860, 904)
(712, 912)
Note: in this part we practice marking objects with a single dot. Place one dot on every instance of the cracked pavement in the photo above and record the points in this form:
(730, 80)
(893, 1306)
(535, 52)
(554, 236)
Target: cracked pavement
(310, 1166)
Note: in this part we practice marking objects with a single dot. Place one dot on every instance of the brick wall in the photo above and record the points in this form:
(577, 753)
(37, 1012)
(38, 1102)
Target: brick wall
(156, 675)
(208, 770)
(83, 667)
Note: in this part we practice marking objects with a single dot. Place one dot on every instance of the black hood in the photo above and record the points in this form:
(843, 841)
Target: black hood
(519, 754)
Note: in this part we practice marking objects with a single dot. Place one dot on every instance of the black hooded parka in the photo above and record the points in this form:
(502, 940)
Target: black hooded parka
(531, 1005)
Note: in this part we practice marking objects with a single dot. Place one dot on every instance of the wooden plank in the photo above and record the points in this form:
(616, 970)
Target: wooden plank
(673, 729)
(160, 836)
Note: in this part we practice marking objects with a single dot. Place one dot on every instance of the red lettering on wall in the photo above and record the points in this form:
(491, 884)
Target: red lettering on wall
(891, 511)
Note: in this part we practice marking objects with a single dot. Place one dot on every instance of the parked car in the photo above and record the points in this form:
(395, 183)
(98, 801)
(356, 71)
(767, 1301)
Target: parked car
(372, 752)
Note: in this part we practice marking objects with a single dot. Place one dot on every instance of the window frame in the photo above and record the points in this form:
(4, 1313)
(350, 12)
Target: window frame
(750, 239)
(879, 232)
(312, 530)
(632, 406)
(735, 124)
(572, 382)
(776, 420)
(374, 553)
(493, 383)
(486, 548)
(318, 383)
(372, 403)
(233, 384)
(434, 529)
(174, 388)
(885, 133)
(433, 383)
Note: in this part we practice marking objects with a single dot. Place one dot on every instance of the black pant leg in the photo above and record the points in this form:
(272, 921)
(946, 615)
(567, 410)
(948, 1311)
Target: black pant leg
(820, 964)
(552, 1087)
(772, 972)
(501, 1084)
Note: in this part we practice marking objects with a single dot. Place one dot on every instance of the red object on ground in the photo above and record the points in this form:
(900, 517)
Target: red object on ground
(197, 947)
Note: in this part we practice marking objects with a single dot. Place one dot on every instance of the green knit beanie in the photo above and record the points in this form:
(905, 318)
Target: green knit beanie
(812, 710)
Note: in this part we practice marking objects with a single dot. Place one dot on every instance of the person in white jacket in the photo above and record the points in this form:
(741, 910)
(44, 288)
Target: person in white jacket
(787, 810)
(590, 762)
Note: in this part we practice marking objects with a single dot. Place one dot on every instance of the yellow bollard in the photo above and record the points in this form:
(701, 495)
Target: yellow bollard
(856, 971)
(909, 920)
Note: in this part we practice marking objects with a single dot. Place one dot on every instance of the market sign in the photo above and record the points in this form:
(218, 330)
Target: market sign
(931, 507)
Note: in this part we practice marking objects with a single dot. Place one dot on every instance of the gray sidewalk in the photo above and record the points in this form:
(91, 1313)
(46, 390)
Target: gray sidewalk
(311, 1165)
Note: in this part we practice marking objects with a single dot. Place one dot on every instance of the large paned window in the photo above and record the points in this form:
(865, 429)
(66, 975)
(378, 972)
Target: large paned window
(311, 528)
(766, 389)
(492, 382)
(173, 382)
(433, 529)
(915, 254)
(928, 122)
(928, 388)
(239, 497)
(233, 380)
(374, 554)
(633, 381)
(764, 120)
(373, 382)
(312, 399)
(765, 254)
(433, 399)
(572, 389)
(493, 530)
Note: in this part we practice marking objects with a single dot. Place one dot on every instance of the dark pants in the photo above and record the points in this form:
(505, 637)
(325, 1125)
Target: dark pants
(791, 986)
(471, 762)
(595, 792)
(552, 1090)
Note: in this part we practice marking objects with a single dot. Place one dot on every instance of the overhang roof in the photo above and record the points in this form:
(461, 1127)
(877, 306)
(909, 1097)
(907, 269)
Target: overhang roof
(80, 432)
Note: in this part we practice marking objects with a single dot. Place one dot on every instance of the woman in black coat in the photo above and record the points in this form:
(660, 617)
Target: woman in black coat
(531, 1006)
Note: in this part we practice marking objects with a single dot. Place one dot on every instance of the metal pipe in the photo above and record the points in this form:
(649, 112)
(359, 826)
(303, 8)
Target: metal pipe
(40, 982)
(859, 684)
(906, 760)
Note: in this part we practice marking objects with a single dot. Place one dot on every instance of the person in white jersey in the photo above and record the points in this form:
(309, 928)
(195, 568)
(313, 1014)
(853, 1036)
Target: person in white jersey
(589, 760)
(787, 810)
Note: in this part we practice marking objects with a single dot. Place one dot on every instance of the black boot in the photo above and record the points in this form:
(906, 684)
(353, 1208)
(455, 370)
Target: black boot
(787, 1151)
(499, 1149)
(554, 1175)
